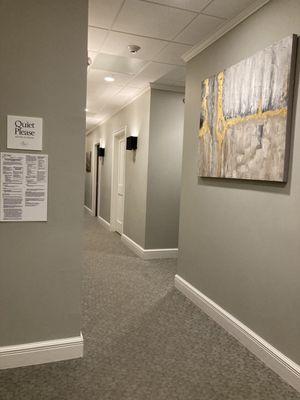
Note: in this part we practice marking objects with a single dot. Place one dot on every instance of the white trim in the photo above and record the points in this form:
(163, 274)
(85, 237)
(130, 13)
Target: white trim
(148, 254)
(113, 206)
(273, 358)
(41, 352)
(226, 27)
(104, 222)
(88, 209)
(143, 91)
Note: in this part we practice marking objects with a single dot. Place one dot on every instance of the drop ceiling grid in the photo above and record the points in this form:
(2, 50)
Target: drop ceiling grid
(125, 20)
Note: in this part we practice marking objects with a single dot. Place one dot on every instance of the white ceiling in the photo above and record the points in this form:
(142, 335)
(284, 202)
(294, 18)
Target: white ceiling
(164, 29)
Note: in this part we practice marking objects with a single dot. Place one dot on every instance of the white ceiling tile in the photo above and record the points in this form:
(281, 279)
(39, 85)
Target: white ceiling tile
(228, 8)
(150, 74)
(96, 38)
(150, 19)
(103, 12)
(96, 77)
(172, 54)
(110, 62)
(201, 27)
(100, 92)
(125, 95)
(117, 43)
(92, 121)
(176, 74)
(192, 5)
(98, 104)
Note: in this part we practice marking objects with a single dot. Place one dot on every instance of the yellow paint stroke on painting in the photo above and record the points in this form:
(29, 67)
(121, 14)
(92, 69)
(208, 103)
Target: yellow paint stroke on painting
(224, 124)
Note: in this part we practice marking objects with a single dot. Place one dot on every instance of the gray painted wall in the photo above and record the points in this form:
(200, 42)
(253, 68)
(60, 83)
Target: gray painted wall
(239, 241)
(152, 176)
(135, 117)
(43, 73)
(164, 170)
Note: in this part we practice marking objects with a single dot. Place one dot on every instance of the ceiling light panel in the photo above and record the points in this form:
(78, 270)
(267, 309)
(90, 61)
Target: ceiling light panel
(96, 38)
(192, 5)
(149, 19)
(117, 44)
(125, 65)
(103, 12)
(228, 8)
(200, 28)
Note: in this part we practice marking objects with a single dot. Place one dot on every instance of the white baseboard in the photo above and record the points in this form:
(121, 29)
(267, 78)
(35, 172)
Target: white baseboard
(41, 352)
(104, 222)
(148, 254)
(287, 369)
(88, 210)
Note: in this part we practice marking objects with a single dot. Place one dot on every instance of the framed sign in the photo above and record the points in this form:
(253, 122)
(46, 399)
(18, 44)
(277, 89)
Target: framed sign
(24, 133)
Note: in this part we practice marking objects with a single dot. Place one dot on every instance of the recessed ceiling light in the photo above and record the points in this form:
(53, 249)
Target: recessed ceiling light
(86, 110)
(109, 79)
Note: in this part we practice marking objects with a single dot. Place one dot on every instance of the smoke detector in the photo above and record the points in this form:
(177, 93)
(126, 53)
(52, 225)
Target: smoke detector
(133, 48)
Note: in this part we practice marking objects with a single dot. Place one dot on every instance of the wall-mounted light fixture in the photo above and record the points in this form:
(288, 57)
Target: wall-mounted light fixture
(101, 151)
(131, 143)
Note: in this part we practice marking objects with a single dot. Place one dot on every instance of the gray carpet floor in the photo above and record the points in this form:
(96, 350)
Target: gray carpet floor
(143, 341)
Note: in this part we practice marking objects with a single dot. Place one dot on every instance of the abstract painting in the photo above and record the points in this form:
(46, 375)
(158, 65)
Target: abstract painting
(246, 116)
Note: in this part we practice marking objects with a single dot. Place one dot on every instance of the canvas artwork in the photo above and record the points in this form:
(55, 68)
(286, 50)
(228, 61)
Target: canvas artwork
(245, 116)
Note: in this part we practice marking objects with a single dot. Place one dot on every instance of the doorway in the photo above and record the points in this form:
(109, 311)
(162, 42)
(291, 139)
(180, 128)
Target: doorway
(118, 180)
(98, 166)
(96, 181)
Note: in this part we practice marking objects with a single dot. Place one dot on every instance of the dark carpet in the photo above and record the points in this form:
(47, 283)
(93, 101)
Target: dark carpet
(144, 340)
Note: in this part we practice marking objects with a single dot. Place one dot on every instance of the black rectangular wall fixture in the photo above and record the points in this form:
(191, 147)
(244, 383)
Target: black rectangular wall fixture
(101, 151)
(131, 143)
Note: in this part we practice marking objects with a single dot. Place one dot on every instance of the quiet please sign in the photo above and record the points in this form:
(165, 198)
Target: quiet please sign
(24, 133)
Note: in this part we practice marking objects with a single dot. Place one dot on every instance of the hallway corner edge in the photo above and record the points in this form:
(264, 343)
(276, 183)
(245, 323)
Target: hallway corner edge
(42, 352)
(88, 210)
(148, 254)
(283, 366)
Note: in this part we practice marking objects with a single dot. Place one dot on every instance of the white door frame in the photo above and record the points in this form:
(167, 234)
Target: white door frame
(94, 177)
(113, 206)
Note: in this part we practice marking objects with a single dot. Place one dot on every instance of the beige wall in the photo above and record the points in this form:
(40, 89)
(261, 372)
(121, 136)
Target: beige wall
(43, 73)
(239, 241)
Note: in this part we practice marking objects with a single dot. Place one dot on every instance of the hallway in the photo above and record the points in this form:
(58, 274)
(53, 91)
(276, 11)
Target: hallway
(143, 340)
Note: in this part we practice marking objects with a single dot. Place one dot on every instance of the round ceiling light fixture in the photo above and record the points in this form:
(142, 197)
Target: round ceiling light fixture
(133, 48)
(109, 78)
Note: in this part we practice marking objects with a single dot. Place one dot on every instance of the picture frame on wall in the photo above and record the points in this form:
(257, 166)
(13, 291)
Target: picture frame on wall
(245, 117)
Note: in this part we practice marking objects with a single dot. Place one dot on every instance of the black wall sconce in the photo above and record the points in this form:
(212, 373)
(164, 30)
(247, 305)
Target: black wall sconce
(131, 143)
(101, 151)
